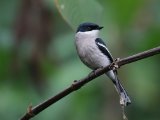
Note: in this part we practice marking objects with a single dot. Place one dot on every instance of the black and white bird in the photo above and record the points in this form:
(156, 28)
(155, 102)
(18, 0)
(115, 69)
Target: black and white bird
(94, 53)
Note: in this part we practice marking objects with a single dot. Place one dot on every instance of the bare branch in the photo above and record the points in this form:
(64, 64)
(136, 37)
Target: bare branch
(79, 83)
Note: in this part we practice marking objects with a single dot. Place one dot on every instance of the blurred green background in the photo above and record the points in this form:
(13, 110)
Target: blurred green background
(38, 58)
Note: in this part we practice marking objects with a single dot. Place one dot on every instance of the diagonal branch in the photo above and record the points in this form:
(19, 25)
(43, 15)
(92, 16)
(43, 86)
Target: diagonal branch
(79, 83)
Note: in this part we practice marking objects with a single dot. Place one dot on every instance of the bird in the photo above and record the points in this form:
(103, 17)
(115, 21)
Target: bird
(94, 53)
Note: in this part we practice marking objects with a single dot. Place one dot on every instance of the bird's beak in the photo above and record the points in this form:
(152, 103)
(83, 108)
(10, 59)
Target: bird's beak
(100, 28)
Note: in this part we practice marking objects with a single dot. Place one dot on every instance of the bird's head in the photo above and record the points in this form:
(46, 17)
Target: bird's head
(88, 30)
(86, 27)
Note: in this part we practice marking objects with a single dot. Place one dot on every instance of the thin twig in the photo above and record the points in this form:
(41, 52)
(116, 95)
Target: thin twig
(79, 83)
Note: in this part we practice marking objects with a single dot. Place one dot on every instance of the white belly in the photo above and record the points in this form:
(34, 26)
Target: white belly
(92, 56)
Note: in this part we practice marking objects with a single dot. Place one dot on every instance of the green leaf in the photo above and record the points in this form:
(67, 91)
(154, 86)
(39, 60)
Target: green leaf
(122, 11)
(75, 12)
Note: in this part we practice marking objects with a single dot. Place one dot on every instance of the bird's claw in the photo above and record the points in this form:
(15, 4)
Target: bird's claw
(114, 65)
(93, 72)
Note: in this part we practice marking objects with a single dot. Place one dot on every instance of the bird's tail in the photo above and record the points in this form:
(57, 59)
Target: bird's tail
(124, 98)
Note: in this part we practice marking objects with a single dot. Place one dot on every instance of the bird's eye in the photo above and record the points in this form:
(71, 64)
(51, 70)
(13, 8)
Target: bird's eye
(89, 28)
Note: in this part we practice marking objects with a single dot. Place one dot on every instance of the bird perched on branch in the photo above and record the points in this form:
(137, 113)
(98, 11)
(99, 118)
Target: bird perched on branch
(94, 53)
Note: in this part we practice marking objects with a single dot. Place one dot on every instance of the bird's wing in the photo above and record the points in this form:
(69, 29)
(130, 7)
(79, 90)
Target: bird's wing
(102, 47)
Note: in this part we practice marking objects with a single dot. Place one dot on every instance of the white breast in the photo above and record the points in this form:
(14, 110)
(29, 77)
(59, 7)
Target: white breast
(88, 50)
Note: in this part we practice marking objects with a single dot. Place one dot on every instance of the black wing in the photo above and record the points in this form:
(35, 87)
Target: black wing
(102, 46)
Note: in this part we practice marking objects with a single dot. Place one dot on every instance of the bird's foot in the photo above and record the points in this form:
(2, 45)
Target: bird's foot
(93, 72)
(114, 65)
